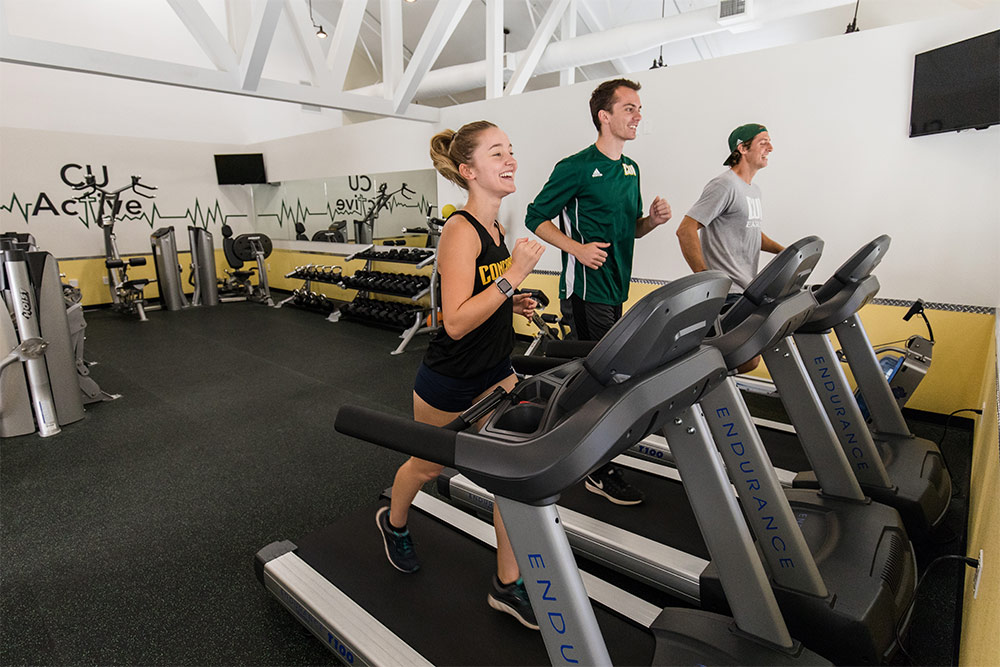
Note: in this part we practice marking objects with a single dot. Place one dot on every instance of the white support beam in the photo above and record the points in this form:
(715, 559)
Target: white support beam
(265, 22)
(344, 39)
(199, 24)
(594, 25)
(567, 30)
(239, 14)
(526, 65)
(442, 24)
(309, 43)
(392, 46)
(41, 53)
(494, 49)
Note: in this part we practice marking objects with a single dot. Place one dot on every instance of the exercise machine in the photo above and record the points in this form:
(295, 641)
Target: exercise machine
(904, 367)
(203, 277)
(891, 465)
(842, 567)
(168, 270)
(75, 321)
(48, 393)
(364, 229)
(126, 294)
(335, 233)
(549, 325)
(542, 438)
(28, 350)
(252, 247)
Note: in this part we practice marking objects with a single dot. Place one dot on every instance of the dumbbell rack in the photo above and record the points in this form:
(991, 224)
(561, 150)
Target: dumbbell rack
(316, 302)
(425, 257)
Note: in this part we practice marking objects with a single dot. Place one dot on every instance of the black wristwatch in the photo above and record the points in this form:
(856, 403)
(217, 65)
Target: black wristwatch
(504, 286)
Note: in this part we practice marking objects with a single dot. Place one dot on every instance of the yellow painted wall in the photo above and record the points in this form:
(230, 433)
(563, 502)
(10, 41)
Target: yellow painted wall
(90, 273)
(981, 615)
(953, 382)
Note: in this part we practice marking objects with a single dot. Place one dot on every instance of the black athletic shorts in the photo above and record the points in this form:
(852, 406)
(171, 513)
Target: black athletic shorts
(593, 320)
(450, 394)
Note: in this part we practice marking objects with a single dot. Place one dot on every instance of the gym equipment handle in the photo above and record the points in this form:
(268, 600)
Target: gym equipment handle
(401, 434)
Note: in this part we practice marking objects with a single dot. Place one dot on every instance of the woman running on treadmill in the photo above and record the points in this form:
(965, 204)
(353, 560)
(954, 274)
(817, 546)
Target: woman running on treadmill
(470, 355)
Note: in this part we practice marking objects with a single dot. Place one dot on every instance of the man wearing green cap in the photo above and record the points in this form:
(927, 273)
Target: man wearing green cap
(723, 229)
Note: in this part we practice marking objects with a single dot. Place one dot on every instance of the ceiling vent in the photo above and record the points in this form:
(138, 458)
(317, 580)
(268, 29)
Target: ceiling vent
(732, 12)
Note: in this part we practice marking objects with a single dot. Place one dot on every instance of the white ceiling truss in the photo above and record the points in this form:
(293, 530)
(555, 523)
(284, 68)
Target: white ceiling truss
(238, 57)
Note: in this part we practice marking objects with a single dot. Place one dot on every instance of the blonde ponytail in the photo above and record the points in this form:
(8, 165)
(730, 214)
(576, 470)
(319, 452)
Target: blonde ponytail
(449, 149)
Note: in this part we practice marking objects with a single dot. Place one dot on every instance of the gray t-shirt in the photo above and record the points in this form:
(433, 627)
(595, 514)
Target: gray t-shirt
(731, 212)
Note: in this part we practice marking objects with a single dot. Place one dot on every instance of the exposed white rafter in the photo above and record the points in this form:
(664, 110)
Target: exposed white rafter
(442, 24)
(208, 37)
(41, 53)
(344, 37)
(567, 30)
(265, 22)
(626, 40)
(392, 45)
(526, 64)
(308, 42)
(494, 48)
(594, 25)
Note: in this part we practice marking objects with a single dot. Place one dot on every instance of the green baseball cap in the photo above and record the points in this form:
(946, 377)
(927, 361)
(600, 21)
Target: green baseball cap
(744, 134)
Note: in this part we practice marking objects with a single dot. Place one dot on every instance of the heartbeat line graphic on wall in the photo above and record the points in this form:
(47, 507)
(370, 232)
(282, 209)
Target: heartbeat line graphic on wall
(15, 203)
(358, 206)
(197, 216)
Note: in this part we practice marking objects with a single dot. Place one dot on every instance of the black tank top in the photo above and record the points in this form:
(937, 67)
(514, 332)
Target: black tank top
(492, 341)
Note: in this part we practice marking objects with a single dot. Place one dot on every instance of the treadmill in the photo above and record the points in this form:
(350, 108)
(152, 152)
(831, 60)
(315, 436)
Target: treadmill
(544, 436)
(842, 567)
(892, 465)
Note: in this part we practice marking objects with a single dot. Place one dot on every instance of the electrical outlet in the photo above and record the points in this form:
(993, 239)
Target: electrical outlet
(979, 574)
(73, 282)
(105, 279)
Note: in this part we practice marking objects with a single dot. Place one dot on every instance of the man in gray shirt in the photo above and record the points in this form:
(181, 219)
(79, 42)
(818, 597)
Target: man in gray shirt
(723, 229)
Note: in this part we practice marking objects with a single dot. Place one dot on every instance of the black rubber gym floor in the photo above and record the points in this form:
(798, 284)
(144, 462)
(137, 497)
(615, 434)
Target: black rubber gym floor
(128, 539)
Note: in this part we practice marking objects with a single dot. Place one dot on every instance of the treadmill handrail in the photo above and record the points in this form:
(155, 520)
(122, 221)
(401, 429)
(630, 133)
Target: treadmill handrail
(400, 434)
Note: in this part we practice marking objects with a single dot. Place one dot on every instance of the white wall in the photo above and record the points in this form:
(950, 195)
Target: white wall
(843, 168)
(184, 173)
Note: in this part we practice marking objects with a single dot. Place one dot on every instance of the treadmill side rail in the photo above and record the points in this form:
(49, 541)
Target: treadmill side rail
(886, 415)
(835, 393)
(783, 546)
(558, 596)
(333, 617)
(658, 565)
(724, 528)
(814, 426)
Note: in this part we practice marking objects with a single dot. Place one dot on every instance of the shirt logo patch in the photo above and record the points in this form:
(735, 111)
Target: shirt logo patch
(596, 174)
(628, 169)
(755, 212)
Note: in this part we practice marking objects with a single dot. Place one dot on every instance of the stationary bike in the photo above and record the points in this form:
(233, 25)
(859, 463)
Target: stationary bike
(126, 294)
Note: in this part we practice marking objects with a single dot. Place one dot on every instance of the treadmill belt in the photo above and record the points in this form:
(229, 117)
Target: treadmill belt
(665, 516)
(765, 407)
(784, 449)
(441, 610)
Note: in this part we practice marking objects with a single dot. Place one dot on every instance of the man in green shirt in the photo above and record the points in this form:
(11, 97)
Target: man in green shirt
(591, 209)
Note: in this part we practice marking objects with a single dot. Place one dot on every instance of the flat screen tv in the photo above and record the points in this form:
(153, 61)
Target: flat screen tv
(957, 87)
(240, 168)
